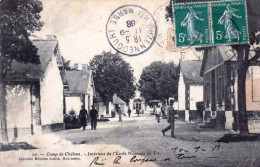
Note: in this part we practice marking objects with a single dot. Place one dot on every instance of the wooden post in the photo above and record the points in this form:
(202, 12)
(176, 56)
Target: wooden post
(172, 115)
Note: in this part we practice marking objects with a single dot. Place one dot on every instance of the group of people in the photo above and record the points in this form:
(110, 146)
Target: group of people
(170, 112)
(158, 111)
(83, 117)
(129, 111)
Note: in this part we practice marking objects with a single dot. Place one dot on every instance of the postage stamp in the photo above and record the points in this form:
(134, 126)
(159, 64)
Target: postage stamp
(192, 24)
(131, 30)
(229, 22)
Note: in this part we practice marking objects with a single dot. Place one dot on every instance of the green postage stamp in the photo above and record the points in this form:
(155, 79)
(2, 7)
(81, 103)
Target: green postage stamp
(192, 26)
(229, 22)
(210, 23)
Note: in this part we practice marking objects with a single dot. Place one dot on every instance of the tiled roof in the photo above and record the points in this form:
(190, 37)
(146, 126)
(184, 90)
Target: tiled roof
(25, 72)
(78, 81)
(191, 71)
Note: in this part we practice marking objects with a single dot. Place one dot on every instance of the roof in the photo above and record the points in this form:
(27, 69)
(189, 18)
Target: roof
(226, 52)
(117, 100)
(78, 81)
(191, 71)
(26, 72)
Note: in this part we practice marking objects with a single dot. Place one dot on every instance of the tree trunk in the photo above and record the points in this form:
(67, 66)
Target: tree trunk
(242, 68)
(3, 110)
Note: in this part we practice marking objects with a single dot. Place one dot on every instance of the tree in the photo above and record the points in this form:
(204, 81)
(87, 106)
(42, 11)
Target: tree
(112, 75)
(68, 66)
(245, 59)
(19, 19)
(159, 81)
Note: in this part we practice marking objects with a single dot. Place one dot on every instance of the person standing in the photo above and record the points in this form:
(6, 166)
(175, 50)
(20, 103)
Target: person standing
(157, 113)
(93, 117)
(129, 112)
(119, 114)
(83, 116)
(163, 109)
(138, 110)
(170, 118)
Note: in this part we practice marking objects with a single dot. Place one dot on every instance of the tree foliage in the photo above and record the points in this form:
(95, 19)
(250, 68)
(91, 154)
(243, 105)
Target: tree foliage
(68, 66)
(248, 54)
(19, 19)
(159, 81)
(112, 75)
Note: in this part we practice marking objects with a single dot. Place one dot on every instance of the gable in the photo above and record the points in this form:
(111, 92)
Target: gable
(190, 70)
(78, 81)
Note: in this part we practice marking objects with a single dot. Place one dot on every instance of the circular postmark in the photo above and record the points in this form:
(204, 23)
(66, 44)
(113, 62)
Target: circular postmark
(131, 30)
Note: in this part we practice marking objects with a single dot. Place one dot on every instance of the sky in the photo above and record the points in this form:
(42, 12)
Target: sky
(80, 26)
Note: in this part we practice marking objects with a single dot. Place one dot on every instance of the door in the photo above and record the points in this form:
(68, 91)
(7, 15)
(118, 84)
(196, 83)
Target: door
(213, 91)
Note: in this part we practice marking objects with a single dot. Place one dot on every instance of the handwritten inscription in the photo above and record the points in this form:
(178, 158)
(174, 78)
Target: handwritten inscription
(121, 157)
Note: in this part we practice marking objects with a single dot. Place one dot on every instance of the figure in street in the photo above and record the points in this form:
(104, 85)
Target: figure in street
(158, 113)
(119, 114)
(83, 116)
(226, 19)
(170, 118)
(189, 22)
(163, 109)
(137, 110)
(93, 117)
(129, 112)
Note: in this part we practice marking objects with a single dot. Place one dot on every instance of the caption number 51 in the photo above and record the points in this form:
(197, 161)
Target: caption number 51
(182, 37)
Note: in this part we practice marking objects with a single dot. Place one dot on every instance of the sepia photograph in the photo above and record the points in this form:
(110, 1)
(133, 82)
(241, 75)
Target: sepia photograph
(130, 83)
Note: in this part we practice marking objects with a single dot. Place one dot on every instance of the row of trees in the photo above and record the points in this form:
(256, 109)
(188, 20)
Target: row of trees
(112, 75)
(159, 81)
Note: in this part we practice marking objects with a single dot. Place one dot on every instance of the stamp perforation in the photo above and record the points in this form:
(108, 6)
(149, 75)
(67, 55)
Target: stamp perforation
(210, 19)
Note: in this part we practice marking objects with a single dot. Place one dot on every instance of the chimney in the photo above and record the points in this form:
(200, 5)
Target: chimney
(51, 37)
(84, 71)
(183, 56)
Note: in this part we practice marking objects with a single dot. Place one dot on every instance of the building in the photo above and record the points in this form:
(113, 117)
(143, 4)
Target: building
(190, 89)
(137, 101)
(118, 102)
(220, 89)
(81, 90)
(28, 91)
(108, 110)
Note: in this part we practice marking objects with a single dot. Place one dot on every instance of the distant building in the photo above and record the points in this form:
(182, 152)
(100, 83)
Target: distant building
(118, 102)
(107, 111)
(29, 89)
(81, 90)
(137, 101)
(190, 88)
(220, 89)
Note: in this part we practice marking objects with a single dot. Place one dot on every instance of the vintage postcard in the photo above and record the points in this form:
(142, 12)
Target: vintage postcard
(130, 83)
